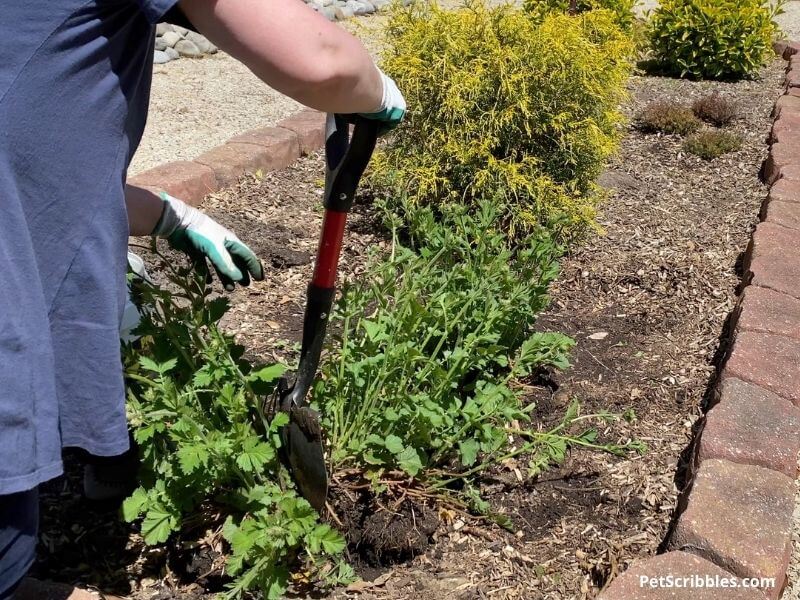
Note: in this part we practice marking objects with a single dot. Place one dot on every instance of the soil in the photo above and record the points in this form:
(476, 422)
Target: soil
(647, 301)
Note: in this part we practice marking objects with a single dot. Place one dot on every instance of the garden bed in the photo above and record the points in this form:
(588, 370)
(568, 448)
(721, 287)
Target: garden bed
(646, 302)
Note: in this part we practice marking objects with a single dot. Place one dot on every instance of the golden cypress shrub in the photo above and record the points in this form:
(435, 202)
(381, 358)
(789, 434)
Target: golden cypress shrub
(505, 107)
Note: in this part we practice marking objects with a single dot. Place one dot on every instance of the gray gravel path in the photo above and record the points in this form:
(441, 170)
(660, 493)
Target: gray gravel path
(197, 104)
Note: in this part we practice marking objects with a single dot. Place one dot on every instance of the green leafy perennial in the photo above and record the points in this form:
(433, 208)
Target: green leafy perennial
(207, 448)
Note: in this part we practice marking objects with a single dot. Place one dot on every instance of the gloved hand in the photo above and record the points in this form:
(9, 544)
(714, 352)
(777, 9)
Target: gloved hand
(392, 108)
(201, 237)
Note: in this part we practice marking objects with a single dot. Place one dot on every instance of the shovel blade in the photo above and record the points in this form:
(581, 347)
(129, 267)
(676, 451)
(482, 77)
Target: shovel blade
(302, 440)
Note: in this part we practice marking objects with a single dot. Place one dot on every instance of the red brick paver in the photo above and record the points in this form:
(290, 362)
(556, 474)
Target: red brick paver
(283, 145)
(773, 259)
(783, 161)
(785, 190)
(183, 179)
(230, 161)
(768, 360)
(740, 518)
(750, 425)
(309, 125)
(648, 580)
(767, 311)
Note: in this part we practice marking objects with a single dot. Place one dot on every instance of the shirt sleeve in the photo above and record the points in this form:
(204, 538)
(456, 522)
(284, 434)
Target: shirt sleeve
(154, 10)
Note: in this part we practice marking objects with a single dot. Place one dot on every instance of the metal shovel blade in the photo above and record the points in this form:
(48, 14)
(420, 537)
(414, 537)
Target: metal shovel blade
(302, 441)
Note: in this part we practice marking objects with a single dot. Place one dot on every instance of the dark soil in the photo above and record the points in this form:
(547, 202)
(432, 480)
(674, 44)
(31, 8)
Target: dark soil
(646, 300)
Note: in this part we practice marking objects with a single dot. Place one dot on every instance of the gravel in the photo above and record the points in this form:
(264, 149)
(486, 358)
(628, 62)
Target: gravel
(198, 104)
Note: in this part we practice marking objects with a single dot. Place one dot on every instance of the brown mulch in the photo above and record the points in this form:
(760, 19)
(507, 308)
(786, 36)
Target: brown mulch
(646, 300)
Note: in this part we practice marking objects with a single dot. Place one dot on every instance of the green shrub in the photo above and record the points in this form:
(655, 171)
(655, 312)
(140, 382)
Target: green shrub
(506, 109)
(715, 109)
(622, 9)
(668, 116)
(716, 39)
(711, 144)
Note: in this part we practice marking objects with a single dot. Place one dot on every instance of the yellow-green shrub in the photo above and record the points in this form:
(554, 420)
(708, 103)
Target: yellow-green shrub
(716, 39)
(506, 108)
(622, 9)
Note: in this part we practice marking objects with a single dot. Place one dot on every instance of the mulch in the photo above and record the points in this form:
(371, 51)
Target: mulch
(646, 299)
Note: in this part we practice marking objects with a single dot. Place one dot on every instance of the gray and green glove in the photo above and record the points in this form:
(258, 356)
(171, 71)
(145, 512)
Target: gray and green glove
(201, 237)
(392, 108)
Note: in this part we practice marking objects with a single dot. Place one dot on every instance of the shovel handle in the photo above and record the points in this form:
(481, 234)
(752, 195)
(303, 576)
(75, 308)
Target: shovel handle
(346, 159)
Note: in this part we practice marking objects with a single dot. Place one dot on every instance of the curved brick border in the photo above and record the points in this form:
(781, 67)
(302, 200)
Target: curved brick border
(735, 517)
(263, 149)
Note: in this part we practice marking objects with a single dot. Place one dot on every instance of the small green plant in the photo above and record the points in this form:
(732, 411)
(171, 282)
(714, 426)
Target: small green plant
(208, 452)
(715, 109)
(668, 116)
(431, 344)
(506, 108)
(713, 39)
(621, 9)
(712, 144)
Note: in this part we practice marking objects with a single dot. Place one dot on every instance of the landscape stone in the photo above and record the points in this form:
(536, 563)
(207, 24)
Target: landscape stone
(201, 42)
(342, 12)
(163, 28)
(638, 583)
(767, 360)
(750, 425)
(773, 259)
(184, 179)
(161, 44)
(767, 311)
(170, 38)
(739, 517)
(230, 161)
(785, 189)
(160, 57)
(172, 53)
(188, 49)
(309, 126)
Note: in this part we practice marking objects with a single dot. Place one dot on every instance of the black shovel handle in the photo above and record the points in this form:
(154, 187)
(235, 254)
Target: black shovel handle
(346, 159)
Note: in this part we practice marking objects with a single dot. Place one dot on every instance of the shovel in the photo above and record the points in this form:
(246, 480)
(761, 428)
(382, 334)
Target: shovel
(346, 160)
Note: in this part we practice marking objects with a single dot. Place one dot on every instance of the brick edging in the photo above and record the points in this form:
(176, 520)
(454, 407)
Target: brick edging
(734, 519)
(262, 149)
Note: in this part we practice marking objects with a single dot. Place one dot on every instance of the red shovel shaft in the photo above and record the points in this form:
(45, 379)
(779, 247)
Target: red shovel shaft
(330, 248)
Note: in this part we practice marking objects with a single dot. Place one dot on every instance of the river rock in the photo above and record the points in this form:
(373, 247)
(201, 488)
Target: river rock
(171, 38)
(201, 42)
(188, 48)
(160, 57)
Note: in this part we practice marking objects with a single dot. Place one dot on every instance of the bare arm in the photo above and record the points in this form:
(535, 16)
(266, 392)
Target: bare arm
(144, 209)
(293, 49)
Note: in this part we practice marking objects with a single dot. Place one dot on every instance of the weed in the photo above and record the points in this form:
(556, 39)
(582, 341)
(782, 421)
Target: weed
(715, 109)
(667, 116)
(711, 144)
(715, 39)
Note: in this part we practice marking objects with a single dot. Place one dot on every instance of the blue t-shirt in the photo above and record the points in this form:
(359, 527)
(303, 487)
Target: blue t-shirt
(74, 87)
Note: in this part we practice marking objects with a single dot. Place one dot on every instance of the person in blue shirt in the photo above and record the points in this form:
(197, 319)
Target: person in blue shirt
(74, 89)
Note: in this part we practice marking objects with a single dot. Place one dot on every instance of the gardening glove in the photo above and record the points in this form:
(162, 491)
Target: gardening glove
(201, 237)
(392, 108)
